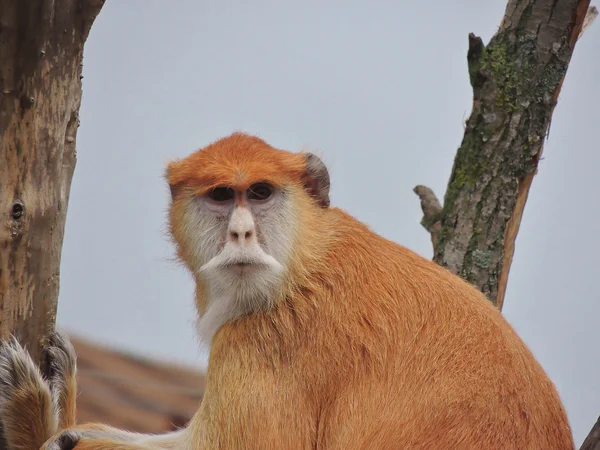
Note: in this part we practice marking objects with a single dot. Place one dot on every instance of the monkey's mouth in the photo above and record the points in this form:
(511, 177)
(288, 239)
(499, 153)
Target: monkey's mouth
(241, 267)
(242, 262)
(239, 264)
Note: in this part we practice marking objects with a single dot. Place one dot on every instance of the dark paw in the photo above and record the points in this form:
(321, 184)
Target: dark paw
(67, 440)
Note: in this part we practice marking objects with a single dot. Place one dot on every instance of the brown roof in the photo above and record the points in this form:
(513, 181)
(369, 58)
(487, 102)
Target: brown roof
(134, 393)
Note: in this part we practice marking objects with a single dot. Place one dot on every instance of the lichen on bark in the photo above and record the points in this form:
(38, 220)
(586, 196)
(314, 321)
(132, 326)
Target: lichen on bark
(516, 79)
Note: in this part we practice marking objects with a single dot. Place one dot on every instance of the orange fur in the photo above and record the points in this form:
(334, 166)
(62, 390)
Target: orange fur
(32, 409)
(62, 362)
(222, 163)
(68, 405)
(30, 427)
(368, 345)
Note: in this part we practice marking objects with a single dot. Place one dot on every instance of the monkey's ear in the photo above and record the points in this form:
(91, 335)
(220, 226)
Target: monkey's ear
(174, 188)
(316, 179)
(173, 185)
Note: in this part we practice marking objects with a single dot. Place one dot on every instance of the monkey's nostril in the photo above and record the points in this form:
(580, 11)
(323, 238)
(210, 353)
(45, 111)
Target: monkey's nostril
(245, 235)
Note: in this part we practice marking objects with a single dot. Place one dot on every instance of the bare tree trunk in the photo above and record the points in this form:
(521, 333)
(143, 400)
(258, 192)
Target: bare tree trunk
(41, 52)
(516, 81)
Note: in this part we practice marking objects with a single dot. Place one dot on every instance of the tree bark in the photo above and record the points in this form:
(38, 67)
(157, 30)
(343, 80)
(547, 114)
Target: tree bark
(516, 81)
(592, 441)
(41, 52)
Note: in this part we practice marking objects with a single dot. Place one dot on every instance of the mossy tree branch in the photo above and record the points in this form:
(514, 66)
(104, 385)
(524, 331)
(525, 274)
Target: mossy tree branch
(516, 80)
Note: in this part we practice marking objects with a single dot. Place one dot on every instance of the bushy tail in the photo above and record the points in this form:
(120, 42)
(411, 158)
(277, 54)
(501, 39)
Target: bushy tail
(32, 408)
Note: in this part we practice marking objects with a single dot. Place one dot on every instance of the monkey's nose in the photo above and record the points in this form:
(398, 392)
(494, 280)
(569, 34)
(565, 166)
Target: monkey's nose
(241, 227)
(240, 238)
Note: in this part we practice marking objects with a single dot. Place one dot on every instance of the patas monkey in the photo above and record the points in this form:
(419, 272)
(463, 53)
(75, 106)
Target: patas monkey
(324, 334)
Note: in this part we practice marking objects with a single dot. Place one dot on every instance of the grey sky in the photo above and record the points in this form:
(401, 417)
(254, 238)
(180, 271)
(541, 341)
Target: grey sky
(381, 92)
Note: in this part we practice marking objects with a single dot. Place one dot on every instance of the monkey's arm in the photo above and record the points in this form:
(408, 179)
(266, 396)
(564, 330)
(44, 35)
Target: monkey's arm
(102, 437)
(99, 436)
(33, 410)
(103, 444)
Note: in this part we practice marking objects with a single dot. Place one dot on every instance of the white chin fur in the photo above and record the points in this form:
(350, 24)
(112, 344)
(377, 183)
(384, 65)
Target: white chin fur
(234, 291)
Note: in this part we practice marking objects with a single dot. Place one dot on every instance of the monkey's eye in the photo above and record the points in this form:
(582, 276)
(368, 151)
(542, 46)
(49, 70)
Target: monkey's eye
(221, 194)
(259, 191)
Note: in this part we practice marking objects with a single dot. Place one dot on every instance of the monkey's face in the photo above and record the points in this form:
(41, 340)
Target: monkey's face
(242, 237)
(238, 242)
(236, 216)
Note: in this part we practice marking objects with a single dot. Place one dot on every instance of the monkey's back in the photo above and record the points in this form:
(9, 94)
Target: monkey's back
(423, 359)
